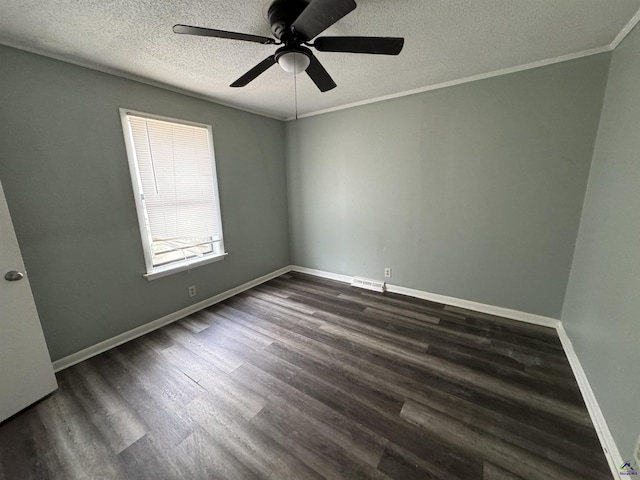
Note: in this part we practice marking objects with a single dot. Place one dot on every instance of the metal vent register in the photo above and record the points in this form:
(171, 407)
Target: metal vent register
(367, 284)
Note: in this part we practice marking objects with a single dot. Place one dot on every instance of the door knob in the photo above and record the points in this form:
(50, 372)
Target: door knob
(13, 276)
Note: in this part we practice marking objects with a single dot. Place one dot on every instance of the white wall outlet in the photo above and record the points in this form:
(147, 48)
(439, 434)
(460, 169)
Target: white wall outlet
(387, 272)
(192, 291)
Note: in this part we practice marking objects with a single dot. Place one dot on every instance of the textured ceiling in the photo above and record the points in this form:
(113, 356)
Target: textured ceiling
(446, 40)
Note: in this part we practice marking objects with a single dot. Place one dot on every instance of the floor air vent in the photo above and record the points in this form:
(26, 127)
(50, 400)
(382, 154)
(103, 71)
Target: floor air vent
(365, 283)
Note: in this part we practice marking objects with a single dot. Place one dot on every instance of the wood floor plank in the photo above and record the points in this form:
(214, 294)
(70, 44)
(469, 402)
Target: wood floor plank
(496, 451)
(159, 411)
(550, 345)
(80, 450)
(310, 282)
(193, 323)
(360, 441)
(395, 429)
(248, 444)
(140, 461)
(493, 472)
(28, 455)
(270, 364)
(412, 304)
(539, 330)
(398, 463)
(278, 297)
(221, 329)
(221, 357)
(368, 329)
(527, 435)
(157, 340)
(105, 407)
(159, 375)
(350, 386)
(292, 431)
(391, 312)
(304, 377)
(565, 392)
(203, 457)
(216, 384)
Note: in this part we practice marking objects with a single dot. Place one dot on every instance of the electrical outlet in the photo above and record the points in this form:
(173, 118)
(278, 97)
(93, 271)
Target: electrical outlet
(192, 291)
(387, 272)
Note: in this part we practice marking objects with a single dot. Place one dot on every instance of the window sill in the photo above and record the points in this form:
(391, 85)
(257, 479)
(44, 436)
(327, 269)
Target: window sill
(183, 266)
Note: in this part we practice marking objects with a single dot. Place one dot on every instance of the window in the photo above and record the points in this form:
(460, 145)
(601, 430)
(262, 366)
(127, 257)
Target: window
(174, 181)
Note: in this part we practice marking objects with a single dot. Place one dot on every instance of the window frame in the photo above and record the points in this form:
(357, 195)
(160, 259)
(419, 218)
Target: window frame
(179, 265)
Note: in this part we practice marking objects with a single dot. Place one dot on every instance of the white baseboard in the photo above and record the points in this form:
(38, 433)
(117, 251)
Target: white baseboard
(609, 446)
(105, 345)
(453, 301)
(476, 306)
(323, 274)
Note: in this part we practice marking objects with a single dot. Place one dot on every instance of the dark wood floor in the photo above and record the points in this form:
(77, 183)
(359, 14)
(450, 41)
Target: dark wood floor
(305, 378)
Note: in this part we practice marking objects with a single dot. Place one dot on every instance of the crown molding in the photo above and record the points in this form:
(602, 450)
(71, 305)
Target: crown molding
(626, 30)
(452, 83)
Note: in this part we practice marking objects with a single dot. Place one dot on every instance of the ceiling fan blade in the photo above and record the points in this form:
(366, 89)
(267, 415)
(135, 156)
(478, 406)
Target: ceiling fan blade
(256, 71)
(319, 75)
(373, 45)
(320, 15)
(209, 32)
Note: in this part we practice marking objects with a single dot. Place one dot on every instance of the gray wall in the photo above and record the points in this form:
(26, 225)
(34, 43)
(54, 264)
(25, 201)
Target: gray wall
(473, 191)
(65, 173)
(602, 307)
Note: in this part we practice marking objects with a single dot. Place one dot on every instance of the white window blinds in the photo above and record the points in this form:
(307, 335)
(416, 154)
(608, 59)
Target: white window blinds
(178, 190)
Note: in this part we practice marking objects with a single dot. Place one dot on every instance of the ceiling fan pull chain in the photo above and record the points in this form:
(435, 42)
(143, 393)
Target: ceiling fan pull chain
(295, 92)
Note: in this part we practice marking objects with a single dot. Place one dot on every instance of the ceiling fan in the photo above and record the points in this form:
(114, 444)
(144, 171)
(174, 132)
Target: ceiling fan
(295, 23)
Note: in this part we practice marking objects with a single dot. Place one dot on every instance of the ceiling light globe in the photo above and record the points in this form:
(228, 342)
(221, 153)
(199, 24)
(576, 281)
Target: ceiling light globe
(294, 62)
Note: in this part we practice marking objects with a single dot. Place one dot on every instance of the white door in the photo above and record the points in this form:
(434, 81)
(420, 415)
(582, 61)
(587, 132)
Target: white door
(26, 374)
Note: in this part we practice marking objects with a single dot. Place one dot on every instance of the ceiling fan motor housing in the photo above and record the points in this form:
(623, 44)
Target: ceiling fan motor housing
(282, 13)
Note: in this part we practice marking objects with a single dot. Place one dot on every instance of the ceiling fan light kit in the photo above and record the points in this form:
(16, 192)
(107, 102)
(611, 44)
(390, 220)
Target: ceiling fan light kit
(295, 23)
(293, 61)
